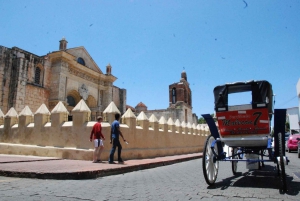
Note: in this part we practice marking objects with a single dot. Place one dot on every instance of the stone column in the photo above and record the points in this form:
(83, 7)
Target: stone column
(163, 124)
(142, 121)
(129, 119)
(59, 115)
(81, 114)
(41, 117)
(184, 128)
(109, 112)
(153, 123)
(21, 88)
(1, 117)
(171, 125)
(189, 128)
(10, 119)
(25, 117)
(178, 126)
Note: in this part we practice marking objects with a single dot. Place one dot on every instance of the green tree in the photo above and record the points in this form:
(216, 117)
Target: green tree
(287, 126)
(201, 120)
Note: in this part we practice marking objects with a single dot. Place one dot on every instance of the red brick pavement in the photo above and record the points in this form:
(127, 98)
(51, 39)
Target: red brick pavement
(53, 168)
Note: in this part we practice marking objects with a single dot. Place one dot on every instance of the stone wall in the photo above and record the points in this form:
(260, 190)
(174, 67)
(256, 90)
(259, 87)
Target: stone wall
(32, 92)
(5, 62)
(47, 133)
(177, 112)
(119, 98)
(17, 69)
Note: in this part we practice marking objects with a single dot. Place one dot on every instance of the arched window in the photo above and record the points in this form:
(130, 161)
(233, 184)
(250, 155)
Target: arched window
(81, 61)
(71, 101)
(37, 77)
(173, 95)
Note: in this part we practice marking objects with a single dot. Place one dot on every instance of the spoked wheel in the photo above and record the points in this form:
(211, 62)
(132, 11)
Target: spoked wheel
(210, 168)
(234, 163)
(281, 163)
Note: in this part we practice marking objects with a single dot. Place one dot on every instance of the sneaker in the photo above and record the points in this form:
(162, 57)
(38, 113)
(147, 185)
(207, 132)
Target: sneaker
(121, 162)
(96, 162)
(111, 162)
(99, 161)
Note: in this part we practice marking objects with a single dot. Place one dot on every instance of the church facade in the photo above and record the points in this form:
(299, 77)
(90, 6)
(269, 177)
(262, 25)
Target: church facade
(180, 103)
(66, 75)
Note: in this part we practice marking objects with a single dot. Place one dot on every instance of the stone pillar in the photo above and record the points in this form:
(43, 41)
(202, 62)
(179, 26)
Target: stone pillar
(80, 117)
(171, 125)
(163, 124)
(184, 128)
(153, 123)
(41, 117)
(59, 115)
(25, 117)
(107, 94)
(1, 117)
(109, 117)
(58, 119)
(10, 119)
(142, 121)
(198, 129)
(22, 78)
(194, 130)
(178, 126)
(81, 113)
(129, 119)
(109, 112)
(189, 128)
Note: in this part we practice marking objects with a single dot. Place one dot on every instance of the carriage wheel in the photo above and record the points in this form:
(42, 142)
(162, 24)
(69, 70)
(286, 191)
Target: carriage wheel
(210, 168)
(282, 164)
(234, 163)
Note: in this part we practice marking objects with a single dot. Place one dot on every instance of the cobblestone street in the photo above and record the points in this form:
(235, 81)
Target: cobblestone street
(181, 181)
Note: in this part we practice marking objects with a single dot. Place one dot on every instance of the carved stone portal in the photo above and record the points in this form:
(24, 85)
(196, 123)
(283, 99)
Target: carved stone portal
(83, 91)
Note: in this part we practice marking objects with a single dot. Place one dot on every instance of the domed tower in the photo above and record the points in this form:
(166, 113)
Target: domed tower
(140, 107)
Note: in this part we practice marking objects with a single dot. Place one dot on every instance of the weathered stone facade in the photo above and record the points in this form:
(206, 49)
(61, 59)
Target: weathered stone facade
(180, 103)
(17, 79)
(66, 75)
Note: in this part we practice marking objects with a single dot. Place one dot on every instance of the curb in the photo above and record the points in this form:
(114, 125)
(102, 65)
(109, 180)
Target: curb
(93, 174)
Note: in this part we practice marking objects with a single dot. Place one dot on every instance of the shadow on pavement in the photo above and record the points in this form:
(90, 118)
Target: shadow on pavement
(267, 178)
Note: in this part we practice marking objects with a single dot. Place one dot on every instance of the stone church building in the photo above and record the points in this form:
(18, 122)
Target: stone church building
(66, 75)
(180, 103)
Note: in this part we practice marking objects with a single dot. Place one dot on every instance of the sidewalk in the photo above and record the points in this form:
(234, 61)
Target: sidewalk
(54, 168)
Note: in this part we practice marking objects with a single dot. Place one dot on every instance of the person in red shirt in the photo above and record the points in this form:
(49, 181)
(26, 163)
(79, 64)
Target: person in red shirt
(97, 137)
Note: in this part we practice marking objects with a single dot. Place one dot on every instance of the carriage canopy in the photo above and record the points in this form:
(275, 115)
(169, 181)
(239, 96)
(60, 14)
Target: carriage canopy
(261, 94)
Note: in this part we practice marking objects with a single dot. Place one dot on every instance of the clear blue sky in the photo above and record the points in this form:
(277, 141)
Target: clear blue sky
(149, 43)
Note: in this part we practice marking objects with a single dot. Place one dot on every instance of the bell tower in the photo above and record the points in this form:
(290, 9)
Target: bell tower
(180, 92)
(63, 44)
(108, 69)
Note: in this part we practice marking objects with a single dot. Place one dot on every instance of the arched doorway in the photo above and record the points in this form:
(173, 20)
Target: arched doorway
(73, 98)
(92, 104)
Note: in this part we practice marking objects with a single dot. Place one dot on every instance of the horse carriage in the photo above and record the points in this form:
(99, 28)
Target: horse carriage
(245, 129)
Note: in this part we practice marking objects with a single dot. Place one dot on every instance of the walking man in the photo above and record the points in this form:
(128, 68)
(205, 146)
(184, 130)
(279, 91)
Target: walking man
(98, 138)
(114, 140)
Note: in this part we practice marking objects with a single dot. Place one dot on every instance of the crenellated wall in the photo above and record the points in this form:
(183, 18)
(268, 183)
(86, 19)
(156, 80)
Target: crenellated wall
(46, 133)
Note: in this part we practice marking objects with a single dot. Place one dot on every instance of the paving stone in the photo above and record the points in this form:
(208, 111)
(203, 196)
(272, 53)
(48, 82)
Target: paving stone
(181, 181)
